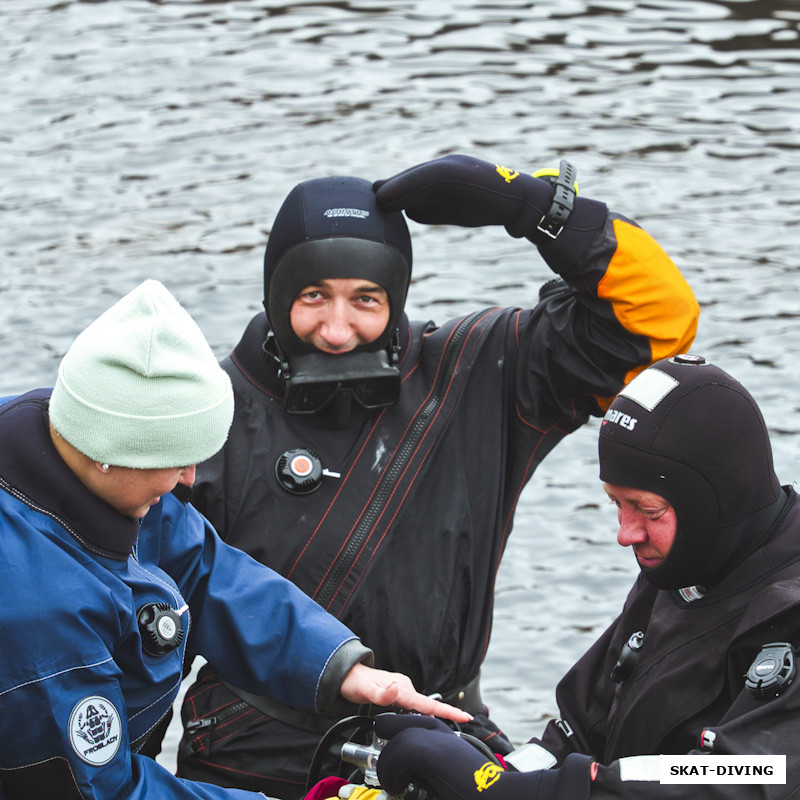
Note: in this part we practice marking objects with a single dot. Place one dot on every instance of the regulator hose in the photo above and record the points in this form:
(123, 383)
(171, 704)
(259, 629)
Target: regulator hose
(354, 723)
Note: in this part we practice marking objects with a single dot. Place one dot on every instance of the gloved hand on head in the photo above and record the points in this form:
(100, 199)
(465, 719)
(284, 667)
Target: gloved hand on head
(425, 752)
(466, 191)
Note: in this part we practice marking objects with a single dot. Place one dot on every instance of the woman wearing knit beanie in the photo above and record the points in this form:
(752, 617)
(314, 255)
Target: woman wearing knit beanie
(139, 396)
(111, 581)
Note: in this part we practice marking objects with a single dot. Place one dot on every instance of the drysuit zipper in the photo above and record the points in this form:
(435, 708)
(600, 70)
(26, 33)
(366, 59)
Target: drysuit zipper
(330, 586)
(194, 726)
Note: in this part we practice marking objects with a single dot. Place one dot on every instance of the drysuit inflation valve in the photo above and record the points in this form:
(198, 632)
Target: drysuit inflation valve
(772, 671)
(160, 628)
(299, 471)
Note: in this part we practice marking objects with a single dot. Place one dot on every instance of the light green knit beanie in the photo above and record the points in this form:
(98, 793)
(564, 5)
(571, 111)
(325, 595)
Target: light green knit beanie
(141, 388)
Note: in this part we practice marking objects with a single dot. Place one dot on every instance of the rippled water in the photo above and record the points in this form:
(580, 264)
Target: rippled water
(157, 139)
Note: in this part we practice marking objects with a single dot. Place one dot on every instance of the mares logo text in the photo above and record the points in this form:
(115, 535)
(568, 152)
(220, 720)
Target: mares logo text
(623, 420)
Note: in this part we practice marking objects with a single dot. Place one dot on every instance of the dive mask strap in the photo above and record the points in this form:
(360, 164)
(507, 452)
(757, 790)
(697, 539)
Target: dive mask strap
(271, 354)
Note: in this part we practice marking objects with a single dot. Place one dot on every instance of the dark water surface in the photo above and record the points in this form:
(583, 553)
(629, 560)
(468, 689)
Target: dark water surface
(157, 139)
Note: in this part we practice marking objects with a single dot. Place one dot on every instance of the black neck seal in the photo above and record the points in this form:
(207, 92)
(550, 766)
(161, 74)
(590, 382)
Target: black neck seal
(689, 432)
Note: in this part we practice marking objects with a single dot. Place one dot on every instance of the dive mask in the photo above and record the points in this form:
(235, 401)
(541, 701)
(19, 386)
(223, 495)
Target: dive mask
(315, 379)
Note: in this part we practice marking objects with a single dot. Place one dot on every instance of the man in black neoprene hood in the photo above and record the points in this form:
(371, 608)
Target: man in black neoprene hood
(702, 659)
(717, 474)
(311, 242)
(376, 461)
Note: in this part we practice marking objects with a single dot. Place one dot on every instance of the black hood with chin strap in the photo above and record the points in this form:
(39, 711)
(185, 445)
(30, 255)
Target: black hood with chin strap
(333, 228)
(689, 432)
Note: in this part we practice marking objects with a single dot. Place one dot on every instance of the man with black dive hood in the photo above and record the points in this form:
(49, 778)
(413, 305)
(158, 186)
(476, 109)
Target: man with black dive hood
(377, 462)
(702, 660)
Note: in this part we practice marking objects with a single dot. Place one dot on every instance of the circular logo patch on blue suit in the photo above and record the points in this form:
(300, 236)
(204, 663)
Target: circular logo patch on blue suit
(94, 730)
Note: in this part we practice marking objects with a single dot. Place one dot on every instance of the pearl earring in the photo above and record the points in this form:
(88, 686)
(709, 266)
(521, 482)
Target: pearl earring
(105, 467)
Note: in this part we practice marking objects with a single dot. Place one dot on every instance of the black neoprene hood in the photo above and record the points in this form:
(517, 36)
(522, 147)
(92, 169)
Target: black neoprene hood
(689, 432)
(333, 228)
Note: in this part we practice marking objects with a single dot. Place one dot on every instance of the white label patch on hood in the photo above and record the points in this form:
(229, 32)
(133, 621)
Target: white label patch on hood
(649, 388)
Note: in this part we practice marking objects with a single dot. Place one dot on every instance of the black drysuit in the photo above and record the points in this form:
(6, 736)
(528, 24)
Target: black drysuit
(686, 693)
(404, 540)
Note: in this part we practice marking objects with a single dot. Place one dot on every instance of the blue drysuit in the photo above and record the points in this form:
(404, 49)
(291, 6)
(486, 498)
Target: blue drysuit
(78, 694)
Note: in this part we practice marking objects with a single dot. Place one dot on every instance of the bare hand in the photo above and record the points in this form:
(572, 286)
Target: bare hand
(364, 685)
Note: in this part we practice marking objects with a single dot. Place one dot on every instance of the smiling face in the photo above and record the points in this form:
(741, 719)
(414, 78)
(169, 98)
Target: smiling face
(647, 523)
(339, 314)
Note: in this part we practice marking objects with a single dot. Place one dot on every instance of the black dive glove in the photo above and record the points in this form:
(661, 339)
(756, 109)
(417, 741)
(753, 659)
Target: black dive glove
(425, 752)
(461, 190)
